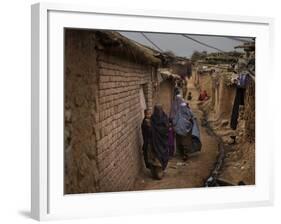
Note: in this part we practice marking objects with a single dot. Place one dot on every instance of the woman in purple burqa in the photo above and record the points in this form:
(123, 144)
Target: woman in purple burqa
(171, 139)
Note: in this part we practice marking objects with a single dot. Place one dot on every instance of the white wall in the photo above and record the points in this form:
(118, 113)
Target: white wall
(15, 110)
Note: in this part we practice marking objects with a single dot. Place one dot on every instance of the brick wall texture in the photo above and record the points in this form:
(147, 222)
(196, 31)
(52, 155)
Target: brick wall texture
(102, 116)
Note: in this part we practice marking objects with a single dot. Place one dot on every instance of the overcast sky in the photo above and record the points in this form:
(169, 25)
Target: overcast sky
(182, 46)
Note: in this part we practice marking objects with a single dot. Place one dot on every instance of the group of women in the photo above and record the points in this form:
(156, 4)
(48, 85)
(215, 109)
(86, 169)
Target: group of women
(164, 136)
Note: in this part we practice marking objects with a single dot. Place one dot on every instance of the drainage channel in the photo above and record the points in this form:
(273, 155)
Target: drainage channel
(213, 180)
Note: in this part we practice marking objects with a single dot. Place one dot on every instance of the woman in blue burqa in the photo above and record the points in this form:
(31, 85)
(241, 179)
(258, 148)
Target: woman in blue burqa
(176, 105)
(159, 130)
(184, 124)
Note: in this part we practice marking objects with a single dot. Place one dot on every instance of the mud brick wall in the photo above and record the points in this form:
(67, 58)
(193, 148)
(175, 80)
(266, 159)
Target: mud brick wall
(80, 86)
(205, 83)
(166, 95)
(118, 130)
(249, 114)
(102, 116)
(226, 95)
(195, 76)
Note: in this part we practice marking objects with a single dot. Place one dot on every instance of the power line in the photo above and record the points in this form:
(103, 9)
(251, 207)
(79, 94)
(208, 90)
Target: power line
(251, 74)
(150, 41)
(197, 41)
(238, 39)
(202, 43)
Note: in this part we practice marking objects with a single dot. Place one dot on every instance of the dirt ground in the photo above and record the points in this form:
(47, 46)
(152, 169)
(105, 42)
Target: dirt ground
(191, 173)
(239, 162)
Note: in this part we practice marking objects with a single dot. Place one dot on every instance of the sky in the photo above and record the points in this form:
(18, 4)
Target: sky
(182, 46)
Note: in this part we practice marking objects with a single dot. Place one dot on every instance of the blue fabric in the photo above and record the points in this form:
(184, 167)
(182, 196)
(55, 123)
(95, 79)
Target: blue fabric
(195, 128)
(175, 106)
(182, 121)
(196, 141)
(242, 80)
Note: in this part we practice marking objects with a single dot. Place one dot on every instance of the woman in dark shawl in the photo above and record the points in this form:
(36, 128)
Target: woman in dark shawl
(159, 128)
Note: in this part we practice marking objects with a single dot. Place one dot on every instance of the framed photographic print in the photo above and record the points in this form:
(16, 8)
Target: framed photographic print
(148, 111)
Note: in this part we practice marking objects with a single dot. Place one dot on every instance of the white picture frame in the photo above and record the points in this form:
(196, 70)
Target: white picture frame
(48, 201)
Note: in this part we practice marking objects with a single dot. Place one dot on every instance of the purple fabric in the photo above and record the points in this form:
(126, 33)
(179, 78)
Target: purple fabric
(171, 136)
(171, 141)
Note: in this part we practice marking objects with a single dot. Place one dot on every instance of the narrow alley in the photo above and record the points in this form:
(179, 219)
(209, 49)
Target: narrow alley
(139, 117)
(193, 172)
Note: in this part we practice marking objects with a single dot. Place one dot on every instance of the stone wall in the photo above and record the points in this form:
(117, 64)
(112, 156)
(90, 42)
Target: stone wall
(102, 116)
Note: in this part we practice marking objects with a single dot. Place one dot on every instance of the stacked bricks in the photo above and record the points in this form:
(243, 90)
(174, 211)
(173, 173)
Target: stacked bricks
(102, 116)
(120, 116)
